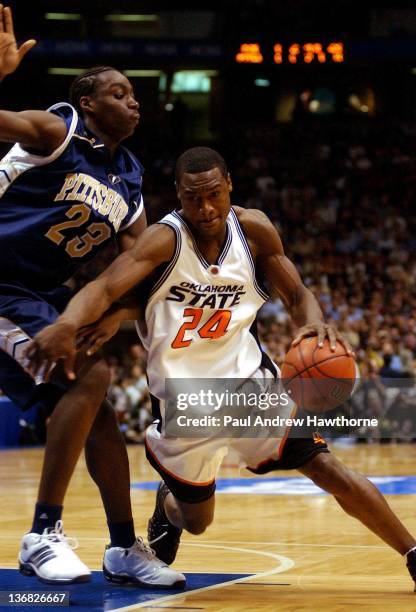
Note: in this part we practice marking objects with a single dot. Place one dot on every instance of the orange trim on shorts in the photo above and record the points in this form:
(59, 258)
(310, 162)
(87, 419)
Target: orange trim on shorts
(188, 482)
(281, 445)
(317, 438)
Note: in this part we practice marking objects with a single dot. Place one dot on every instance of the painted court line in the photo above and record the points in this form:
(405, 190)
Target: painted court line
(303, 544)
(174, 608)
(285, 564)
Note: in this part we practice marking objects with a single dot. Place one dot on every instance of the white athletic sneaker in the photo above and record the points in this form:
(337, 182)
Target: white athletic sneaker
(51, 558)
(139, 564)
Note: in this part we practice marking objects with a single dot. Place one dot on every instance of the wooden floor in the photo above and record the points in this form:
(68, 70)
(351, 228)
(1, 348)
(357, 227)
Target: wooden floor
(304, 552)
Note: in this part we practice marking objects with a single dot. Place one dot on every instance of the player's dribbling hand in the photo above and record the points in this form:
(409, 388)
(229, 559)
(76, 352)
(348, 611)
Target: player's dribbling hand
(55, 342)
(10, 54)
(323, 330)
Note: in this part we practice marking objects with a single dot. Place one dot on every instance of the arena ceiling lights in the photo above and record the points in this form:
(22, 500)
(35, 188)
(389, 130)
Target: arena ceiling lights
(130, 17)
(63, 16)
(115, 17)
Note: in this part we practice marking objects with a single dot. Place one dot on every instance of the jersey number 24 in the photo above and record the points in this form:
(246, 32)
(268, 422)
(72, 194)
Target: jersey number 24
(214, 328)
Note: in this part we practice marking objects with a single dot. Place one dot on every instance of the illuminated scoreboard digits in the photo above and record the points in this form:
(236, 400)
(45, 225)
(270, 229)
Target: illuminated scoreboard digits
(249, 54)
(306, 53)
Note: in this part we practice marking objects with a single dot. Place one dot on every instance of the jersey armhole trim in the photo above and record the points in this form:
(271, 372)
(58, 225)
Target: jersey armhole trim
(246, 247)
(172, 263)
(40, 160)
(136, 215)
(18, 161)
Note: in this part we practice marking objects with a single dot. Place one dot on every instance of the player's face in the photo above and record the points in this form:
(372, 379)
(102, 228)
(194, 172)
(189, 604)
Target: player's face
(205, 200)
(113, 105)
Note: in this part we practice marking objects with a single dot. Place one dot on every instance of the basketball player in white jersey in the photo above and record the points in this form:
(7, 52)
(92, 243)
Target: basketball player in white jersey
(204, 266)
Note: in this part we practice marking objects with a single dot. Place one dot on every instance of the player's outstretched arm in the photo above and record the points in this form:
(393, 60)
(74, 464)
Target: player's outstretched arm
(58, 341)
(92, 337)
(35, 130)
(284, 281)
(10, 54)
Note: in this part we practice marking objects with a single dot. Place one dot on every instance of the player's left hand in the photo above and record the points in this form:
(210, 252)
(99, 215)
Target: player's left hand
(10, 54)
(92, 337)
(55, 342)
(323, 330)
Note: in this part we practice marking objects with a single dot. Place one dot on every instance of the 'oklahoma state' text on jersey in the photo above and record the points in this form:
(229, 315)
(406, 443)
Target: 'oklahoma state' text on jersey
(199, 320)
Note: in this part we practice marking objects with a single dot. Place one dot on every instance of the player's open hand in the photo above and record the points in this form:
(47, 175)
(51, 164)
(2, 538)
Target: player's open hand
(10, 54)
(92, 337)
(323, 330)
(55, 342)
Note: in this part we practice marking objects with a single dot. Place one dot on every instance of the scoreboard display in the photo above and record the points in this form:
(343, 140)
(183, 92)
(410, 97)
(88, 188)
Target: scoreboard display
(294, 53)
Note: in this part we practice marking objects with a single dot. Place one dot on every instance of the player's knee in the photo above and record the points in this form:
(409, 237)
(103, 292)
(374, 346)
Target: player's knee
(197, 517)
(101, 372)
(330, 474)
(95, 377)
(196, 526)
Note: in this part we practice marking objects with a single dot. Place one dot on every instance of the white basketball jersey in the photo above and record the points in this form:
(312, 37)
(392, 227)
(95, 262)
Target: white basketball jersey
(198, 318)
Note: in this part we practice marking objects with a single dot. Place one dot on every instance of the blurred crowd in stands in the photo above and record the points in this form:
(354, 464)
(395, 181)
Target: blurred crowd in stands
(129, 393)
(342, 198)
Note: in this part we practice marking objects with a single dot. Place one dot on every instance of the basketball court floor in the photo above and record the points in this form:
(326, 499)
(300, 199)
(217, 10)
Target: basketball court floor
(278, 543)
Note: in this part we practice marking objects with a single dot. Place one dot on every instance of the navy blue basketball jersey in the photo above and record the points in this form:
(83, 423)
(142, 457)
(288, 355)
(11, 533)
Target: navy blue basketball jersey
(56, 211)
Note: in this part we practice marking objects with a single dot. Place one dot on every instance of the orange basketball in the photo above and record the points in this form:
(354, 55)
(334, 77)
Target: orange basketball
(318, 379)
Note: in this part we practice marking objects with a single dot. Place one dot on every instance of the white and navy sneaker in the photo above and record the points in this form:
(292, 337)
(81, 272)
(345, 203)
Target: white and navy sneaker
(51, 558)
(139, 565)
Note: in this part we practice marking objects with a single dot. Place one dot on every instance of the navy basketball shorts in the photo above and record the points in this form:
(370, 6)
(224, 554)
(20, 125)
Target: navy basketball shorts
(23, 313)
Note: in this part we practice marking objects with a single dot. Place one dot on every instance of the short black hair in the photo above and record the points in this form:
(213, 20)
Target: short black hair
(84, 85)
(199, 159)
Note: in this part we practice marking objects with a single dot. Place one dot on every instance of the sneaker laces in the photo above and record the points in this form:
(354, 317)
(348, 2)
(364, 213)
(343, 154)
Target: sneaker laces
(57, 536)
(159, 537)
(144, 548)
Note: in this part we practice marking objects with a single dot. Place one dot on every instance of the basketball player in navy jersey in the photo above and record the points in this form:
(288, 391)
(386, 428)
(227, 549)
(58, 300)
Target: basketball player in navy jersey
(68, 189)
(201, 263)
